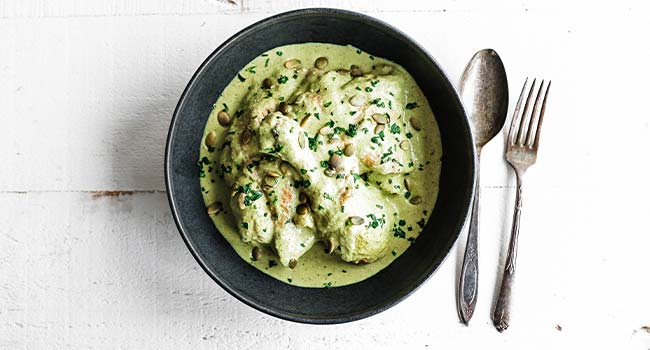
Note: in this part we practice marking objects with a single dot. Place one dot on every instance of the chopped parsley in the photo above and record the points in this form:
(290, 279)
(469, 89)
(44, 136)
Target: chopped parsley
(375, 221)
(313, 143)
(244, 225)
(412, 105)
(279, 53)
(352, 130)
(242, 79)
(398, 232)
(283, 79)
(394, 129)
(327, 104)
(278, 148)
(251, 69)
(378, 103)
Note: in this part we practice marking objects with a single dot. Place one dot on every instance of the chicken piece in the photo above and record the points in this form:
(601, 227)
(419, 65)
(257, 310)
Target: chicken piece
(248, 207)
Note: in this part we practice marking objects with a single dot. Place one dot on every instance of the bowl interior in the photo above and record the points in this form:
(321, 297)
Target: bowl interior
(213, 252)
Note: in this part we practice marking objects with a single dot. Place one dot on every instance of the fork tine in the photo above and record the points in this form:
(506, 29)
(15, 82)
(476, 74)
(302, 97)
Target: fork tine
(522, 121)
(534, 114)
(541, 117)
(515, 114)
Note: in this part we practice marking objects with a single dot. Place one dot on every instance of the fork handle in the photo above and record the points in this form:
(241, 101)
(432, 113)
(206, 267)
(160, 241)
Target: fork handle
(468, 284)
(501, 315)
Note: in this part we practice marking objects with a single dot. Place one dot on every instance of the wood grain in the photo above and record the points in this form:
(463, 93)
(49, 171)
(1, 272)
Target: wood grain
(86, 97)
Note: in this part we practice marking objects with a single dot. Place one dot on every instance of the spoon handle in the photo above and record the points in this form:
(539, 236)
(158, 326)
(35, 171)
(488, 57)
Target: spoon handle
(468, 288)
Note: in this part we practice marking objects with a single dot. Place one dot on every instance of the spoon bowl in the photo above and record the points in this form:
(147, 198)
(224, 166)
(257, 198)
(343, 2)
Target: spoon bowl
(484, 92)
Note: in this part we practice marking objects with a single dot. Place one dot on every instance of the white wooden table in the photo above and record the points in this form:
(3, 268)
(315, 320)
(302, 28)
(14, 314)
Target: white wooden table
(87, 90)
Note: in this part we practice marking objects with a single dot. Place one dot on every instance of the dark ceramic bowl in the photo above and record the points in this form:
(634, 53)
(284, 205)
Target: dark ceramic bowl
(212, 251)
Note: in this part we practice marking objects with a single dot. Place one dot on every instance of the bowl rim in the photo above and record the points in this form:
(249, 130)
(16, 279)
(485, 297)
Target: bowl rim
(316, 11)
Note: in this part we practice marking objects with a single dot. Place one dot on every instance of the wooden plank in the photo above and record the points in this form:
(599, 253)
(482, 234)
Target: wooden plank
(111, 272)
(76, 8)
(88, 100)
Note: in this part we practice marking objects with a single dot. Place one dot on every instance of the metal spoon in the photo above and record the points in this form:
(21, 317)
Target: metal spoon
(484, 92)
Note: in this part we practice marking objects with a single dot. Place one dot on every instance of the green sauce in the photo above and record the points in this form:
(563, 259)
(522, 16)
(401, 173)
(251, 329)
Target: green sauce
(423, 150)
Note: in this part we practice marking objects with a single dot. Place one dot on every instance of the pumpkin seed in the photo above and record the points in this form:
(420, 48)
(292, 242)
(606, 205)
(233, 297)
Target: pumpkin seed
(330, 246)
(267, 83)
(349, 150)
(404, 145)
(379, 128)
(380, 118)
(223, 118)
(246, 137)
(211, 139)
(256, 253)
(270, 181)
(293, 263)
(416, 200)
(285, 168)
(302, 209)
(304, 120)
(302, 198)
(415, 123)
(321, 62)
(355, 71)
(358, 100)
(241, 201)
(356, 220)
(292, 63)
(343, 71)
(284, 108)
(273, 173)
(335, 161)
(407, 184)
(215, 208)
(301, 140)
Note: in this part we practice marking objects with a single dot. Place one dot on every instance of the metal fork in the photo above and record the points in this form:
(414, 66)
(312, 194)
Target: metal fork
(521, 153)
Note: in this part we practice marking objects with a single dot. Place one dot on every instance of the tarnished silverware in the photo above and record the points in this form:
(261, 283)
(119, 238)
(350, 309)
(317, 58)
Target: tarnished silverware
(521, 153)
(484, 91)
